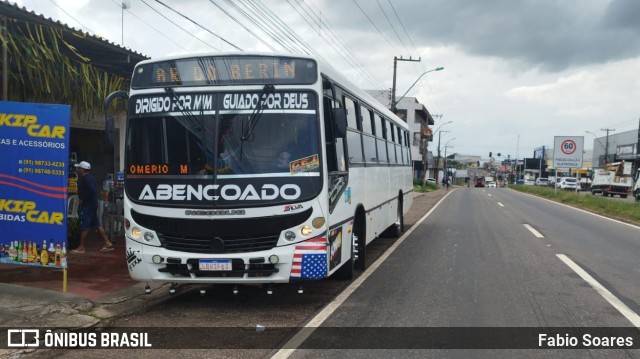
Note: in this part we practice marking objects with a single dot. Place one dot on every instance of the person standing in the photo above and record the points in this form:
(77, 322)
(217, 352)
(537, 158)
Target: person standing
(88, 209)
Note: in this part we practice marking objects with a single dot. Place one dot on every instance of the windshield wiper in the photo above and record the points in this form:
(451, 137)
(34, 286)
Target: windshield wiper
(257, 112)
(193, 120)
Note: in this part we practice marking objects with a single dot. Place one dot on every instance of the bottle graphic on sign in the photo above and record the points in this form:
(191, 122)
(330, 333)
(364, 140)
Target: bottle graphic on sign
(12, 252)
(58, 260)
(52, 253)
(19, 251)
(44, 254)
(25, 253)
(63, 255)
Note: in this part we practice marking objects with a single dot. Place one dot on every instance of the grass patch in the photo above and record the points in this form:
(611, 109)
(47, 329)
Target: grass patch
(418, 187)
(624, 210)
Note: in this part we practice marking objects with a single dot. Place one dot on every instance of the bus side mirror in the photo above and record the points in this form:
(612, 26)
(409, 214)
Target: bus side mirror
(110, 129)
(339, 122)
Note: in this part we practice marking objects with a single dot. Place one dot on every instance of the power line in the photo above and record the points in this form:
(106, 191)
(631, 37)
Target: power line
(347, 53)
(374, 25)
(421, 64)
(390, 24)
(69, 15)
(151, 26)
(340, 52)
(178, 26)
(402, 25)
(282, 28)
(261, 26)
(200, 26)
(243, 26)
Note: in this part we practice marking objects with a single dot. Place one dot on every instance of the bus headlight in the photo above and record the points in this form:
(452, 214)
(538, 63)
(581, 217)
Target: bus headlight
(127, 224)
(318, 222)
(306, 231)
(289, 236)
(148, 236)
(136, 232)
(273, 259)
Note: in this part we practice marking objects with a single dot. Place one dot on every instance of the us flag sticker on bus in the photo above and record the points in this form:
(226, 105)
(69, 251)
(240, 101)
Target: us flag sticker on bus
(305, 164)
(310, 259)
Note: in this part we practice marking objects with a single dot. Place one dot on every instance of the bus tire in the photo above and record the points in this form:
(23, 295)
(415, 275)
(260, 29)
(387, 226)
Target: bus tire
(359, 240)
(346, 271)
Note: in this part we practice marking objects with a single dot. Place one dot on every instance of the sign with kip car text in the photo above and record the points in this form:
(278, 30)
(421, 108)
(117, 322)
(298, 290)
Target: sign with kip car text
(567, 151)
(33, 183)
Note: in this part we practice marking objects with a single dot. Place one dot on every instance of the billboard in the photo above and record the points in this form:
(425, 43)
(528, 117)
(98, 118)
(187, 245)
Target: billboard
(34, 139)
(567, 151)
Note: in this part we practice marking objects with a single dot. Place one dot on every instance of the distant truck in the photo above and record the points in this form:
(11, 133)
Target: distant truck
(636, 186)
(613, 179)
(478, 182)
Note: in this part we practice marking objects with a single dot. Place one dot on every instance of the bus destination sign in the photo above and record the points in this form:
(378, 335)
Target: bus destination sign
(225, 70)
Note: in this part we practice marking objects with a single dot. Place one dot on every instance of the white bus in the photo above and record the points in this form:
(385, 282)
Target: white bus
(256, 168)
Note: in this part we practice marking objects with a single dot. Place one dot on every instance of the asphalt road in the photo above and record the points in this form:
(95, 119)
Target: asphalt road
(482, 261)
(474, 263)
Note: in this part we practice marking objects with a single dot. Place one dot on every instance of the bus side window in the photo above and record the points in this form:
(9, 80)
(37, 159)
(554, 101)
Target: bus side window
(335, 146)
(354, 138)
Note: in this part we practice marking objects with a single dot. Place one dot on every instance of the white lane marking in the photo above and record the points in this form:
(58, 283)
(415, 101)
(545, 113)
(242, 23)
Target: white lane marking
(489, 195)
(317, 321)
(500, 204)
(533, 230)
(608, 296)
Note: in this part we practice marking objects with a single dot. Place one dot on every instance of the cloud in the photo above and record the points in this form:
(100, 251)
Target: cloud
(546, 34)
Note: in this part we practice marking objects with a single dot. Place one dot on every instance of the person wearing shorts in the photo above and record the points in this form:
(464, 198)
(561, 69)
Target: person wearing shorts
(88, 209)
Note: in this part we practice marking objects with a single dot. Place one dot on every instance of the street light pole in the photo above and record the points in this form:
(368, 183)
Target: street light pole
(438, 159)
(393, 100)
(601, 145)
(393, 89)
(446, 162)
(606, 148)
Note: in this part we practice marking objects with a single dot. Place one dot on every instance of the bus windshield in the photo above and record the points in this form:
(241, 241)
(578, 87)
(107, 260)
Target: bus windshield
(201, 145)
(274, 144)
(228, 149)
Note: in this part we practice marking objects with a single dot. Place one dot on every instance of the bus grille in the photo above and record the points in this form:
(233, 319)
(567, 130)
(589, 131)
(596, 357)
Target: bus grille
(212, 236)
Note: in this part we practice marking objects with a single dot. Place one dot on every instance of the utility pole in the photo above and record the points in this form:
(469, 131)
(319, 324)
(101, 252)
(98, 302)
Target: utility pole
(606, 147)
(638, 148)
(425, 152)
(393, 89)
(438, 159)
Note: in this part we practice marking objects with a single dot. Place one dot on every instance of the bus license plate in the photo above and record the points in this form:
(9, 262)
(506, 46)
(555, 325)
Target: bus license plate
(215, 265)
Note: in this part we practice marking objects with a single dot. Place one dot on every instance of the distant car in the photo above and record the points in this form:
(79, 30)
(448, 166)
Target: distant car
(431, 181)
(568, 183)
(529, 182)
(520, 182)
(541, 181)
(491, 184)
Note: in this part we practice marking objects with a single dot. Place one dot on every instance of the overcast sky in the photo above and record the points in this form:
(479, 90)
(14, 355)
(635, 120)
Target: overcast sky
(517, 73)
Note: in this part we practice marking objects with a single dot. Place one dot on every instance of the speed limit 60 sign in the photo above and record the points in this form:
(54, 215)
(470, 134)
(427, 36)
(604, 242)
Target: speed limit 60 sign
(567, 151)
